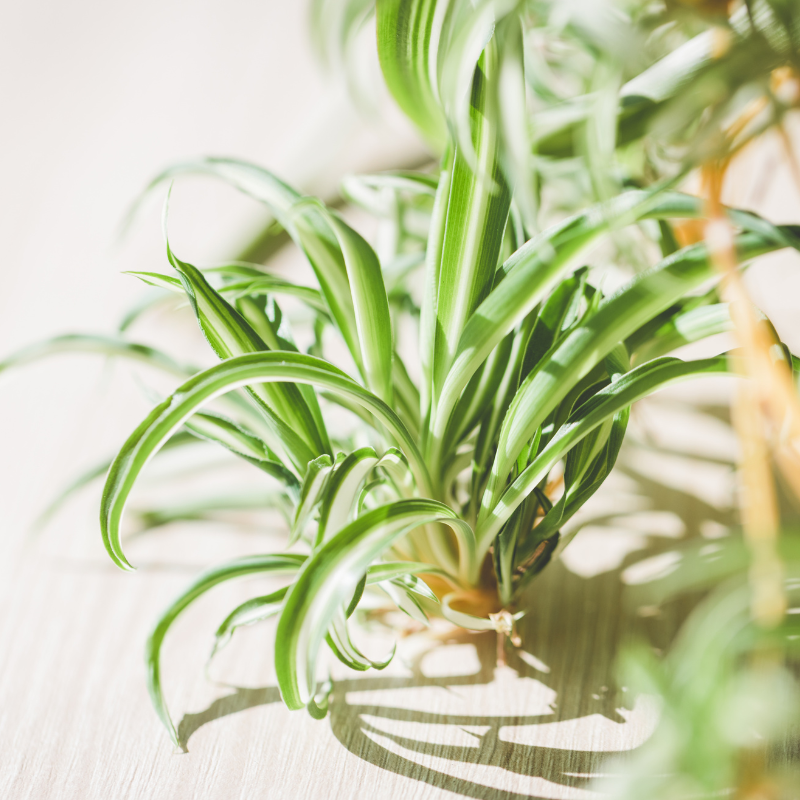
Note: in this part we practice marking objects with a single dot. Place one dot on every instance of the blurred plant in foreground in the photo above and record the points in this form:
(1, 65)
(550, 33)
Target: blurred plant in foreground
(729, 686)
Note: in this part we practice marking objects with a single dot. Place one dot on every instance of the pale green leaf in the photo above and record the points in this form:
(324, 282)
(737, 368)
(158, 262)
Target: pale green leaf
(329, 578)
(203, 387)
(250, 565)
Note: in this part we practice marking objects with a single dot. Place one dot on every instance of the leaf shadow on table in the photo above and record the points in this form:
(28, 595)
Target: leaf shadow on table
(571, 634)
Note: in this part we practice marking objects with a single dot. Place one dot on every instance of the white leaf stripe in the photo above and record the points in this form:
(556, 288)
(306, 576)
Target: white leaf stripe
(229, 334)
(537, 267)
(308, 230)
(369, 301)
(408, 46)
(341, 491)
(476, 217)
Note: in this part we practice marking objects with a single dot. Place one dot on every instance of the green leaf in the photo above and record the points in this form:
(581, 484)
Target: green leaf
(683, 328)
(329, 578)
(477, 211)
(114, 347)
(646, 295)
(369, 191)
(250, 565)
(205, 507)
(296, 424)
(252, 283)
(479, 394)
(341, 491)
(101, 345)
(430, 296)
(405, 601)
(257, 609)
(335, 24)
(464, 620)
(389, 570)
(159, 280)
(317, 474)
(338, 639)
(406, 396)
(558, 129)
(587, 465)
(505, 390)
(514, 116)
(412, 583)
(542, 262)
(216, 428)
(553, 317)
(370, 305)
(203, 387)
(308, 229)
(471, 46)
(409, 33)
(637, 383)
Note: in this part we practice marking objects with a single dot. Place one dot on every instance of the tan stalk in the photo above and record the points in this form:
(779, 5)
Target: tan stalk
(767, 396)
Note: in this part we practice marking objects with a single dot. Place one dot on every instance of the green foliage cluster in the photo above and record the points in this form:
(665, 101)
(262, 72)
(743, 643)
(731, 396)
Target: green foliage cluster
(556, 127)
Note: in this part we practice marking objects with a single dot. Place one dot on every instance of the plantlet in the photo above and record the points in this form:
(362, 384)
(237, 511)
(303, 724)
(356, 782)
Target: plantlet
(453, 491)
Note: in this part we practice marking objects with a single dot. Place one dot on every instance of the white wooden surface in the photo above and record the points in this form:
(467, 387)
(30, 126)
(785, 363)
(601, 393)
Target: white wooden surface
(77, 723)
(445, 719)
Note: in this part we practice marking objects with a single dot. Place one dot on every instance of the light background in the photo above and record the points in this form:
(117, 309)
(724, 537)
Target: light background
(96, 99)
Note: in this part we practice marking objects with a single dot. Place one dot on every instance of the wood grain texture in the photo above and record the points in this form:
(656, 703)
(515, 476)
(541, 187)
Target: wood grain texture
(77, 723)
(444, 720)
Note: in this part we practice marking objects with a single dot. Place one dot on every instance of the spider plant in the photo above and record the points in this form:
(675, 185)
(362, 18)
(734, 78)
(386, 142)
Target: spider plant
(488, 373)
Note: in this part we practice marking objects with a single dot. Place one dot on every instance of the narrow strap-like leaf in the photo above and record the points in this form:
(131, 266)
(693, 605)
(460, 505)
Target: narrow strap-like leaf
(251, 282)
(329, 578)
(338, 639)
(341, 491)
(409, 33)
(537, 266)
(314, 480)
(308, 230)
(253, 368)
(558, 129)
(477, 210)
(403, 598)
(250, 565)
(229, 334)
(686, 327)
(257, 609)
(216, 428)
(389, 570)
(430, 293)
(618, 316)
(638, 383)
(370, 305)
(101, 345)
